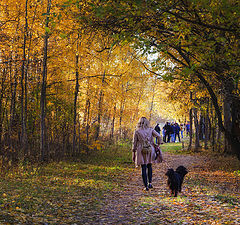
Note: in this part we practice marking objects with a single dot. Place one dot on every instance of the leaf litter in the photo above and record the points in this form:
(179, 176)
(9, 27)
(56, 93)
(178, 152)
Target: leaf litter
(68, 193)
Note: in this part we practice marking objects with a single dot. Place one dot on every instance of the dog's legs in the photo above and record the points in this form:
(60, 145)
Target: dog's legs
(175, 192)
(180, 186)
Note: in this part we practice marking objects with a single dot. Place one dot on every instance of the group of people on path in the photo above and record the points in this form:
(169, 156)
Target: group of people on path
(173, 131)
(145, 142)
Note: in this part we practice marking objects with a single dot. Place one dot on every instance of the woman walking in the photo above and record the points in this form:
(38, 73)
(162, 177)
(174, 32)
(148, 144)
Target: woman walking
(143, 150)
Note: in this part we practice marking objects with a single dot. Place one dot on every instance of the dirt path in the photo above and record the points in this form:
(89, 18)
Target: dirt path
(207, 198)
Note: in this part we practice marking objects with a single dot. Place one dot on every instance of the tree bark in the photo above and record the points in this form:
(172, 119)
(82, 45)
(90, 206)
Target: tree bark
(23, 79)
(43, 89)
(88, 119)
(153, 96)
(206, 130)
(227, 105)
(13, 101)
(1, 104)
(201, 126)
(75, 106)
(196, 124)
(113, 122)
(213, 133)
(191, 123)
(100, 102)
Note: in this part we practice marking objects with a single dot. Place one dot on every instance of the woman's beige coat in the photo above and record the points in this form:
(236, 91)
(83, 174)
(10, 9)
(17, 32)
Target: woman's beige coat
(138, 137)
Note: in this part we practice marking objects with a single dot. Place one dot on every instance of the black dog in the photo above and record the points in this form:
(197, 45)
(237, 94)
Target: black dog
(175, 179)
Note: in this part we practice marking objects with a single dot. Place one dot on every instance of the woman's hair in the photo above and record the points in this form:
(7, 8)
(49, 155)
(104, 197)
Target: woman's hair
(143, 123)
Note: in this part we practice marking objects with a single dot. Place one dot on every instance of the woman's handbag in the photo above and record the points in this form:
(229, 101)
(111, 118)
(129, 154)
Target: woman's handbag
(158, 152)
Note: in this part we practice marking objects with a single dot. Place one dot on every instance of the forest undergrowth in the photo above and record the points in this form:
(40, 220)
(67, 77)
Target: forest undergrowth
(104, 187)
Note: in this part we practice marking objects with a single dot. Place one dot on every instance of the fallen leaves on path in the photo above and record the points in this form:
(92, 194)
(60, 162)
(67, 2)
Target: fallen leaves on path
(207, 198)
(80, 193)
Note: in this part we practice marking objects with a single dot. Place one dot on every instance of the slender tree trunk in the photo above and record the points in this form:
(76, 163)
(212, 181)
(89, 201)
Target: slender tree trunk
(29, 33)
(236, 123)
(153, 96)
(227, 103)
(113, 122)
(100, 102)
(43, 89)
(213, 129)
(121, 117)
(2, 109)
(79, 136)
(86, 105)
(196, 123)
(219, 143)
(137, 106)
(88, 120)
(63, 139)
(206, 131)
(107, 124)
(75, 106)
(122, 106)
(13, 101)
(191, 125)
(201, 126)
(23, 119)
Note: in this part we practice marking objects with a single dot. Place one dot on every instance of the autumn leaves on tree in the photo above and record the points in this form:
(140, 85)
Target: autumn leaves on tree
(76, 72)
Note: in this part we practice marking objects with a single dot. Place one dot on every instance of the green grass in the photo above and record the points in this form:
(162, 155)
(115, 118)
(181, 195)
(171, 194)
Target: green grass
(172, 147)
(54, 191)
(227, 199)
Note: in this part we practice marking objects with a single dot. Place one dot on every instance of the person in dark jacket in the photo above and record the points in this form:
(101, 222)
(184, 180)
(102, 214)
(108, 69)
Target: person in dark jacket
(187, 128)
(157, 129)
(168, 131)
(172, 132)
(176, 131)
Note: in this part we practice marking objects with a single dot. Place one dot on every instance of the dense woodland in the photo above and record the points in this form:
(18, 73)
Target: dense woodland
(75, 74)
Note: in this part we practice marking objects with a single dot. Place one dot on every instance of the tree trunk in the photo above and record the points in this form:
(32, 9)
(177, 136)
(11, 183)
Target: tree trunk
(43, 89)
(137, 106)
(23, 119)
(196, 124)
(88, 118)
(153, 96)
(201, 126)
(100, 102)
(79, 136)
(227, 103)
(213, 133)
(206, 130)
(122, 106)
(113, 122)
(191, 123)
(75, 106)
(13, 101)
(219, 143)
(2, 108)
